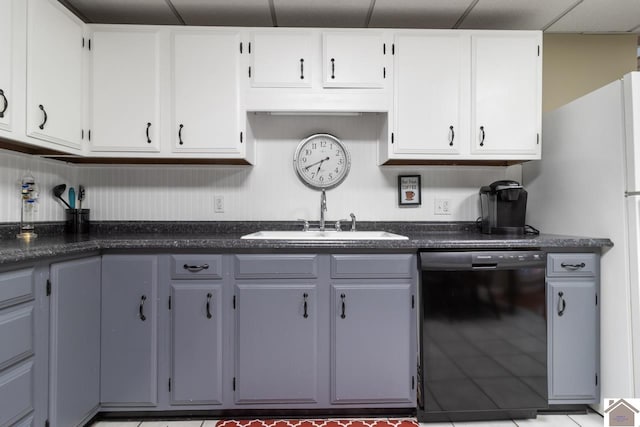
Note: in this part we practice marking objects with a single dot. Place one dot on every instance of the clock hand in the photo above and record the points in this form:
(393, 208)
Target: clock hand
(319, 161)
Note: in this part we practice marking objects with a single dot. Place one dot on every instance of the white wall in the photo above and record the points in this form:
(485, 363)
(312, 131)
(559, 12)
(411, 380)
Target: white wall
(270, 190)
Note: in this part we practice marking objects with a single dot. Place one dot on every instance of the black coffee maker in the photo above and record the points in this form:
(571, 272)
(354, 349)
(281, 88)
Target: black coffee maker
(504, 206)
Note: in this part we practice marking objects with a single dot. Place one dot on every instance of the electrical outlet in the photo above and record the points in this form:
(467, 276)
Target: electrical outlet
(218, 204)
(442, 207)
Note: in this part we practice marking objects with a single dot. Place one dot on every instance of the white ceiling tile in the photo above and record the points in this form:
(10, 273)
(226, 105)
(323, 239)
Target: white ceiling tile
(126, 11)
(326, 13)
(417, 13)
(248, 13)
(515, 15)
(601, 16)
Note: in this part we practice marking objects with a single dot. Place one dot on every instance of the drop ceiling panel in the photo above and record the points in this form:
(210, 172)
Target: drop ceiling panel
(515, 15)
(601, 16)
(417, 13)
(248, 13)
(326, 13)
(125, 11)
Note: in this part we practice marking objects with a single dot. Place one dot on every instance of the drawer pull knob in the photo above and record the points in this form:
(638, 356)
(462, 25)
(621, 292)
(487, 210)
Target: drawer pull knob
(562, 304)
(209, 296)
(573, 266)
(195, 268)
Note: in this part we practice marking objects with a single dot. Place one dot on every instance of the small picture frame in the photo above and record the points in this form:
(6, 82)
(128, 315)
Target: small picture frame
(409, 190)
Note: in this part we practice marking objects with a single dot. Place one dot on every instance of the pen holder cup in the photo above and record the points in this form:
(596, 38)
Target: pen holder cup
(77, 221)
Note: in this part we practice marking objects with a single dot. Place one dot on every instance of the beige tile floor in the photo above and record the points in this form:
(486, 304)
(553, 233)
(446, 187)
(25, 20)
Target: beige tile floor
(582, 420)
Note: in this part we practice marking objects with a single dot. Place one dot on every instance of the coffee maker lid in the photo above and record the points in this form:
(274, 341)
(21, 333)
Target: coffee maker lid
(504, 185)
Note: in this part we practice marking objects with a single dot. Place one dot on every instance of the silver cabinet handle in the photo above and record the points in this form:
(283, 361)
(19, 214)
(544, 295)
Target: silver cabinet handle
(562, 304)
(195, 268)
(573, 266)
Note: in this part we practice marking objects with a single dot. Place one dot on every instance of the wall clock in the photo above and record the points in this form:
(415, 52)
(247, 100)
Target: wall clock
(322, 161)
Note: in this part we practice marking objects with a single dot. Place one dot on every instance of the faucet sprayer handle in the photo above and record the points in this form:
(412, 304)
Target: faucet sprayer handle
(305, 226)
(353, 221)
(338, 225)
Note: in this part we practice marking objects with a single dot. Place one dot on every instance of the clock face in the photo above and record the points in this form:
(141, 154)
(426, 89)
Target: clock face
(322, 161)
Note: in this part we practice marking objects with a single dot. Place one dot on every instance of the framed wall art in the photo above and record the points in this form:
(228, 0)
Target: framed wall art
(409, 190)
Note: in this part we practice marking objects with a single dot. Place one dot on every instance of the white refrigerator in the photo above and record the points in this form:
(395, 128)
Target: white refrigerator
(588, 184)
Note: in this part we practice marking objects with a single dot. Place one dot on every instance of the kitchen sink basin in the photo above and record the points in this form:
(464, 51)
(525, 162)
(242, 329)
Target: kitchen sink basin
(324, 235)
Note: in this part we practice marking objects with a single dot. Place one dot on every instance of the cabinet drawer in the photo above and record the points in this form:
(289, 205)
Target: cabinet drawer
(372, 266)
(196, 266)
(572, 265)
(16, 393)
(16, 332)
(16, 287)
(287, 266)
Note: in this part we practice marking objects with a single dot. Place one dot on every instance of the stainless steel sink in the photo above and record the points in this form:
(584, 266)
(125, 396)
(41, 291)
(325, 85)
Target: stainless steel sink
(324, 235)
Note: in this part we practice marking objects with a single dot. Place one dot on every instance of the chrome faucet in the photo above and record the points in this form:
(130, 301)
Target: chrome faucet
(323, 208)
(353, 221)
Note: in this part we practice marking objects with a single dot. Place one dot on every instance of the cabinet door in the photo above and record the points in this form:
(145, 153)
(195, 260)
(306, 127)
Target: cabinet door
(54, 74)
(506, 93)
(125, 97)
(371, 340)
(573, 344)
(6, 52)
(429, 75)
(353, 60)
(74, 387)
(282, 59)
(128, 375)
(196, 329)
(276, 343)
(206, 100)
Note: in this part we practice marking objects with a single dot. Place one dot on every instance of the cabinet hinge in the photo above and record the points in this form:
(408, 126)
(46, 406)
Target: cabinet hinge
(413, 382)
(413, 301)
(249, 72)
(82, 134)
(249, 50)
(169, 384)
(393, 49)
(596, 379)
(234, 383)
(537, 138)
(234, 302)
(48, 287)
(538, 50)
(169, 302)
(392, 137)
(384, 48)
(240, 47)
(596, 299)
(241, 137)
(83, 42)
(89, 134)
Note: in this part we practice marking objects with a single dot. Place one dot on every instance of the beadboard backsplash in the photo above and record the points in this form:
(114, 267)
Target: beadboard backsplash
(269, 190)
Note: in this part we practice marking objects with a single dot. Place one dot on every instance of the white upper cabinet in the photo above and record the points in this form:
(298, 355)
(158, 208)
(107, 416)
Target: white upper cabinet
(505, 93)
(430, 86)
(6, 52)
(353, 59)
(282, 59)
(54, 73)
(206, 93)
(125, 92)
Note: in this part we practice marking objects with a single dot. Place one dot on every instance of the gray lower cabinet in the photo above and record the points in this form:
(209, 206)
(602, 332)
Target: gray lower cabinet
(196, 343)
(373, 351)
(74, 353)
(276, 329)
(276, 342)
(371, 342)
(17, 339)
(573, 328)
(128, 374)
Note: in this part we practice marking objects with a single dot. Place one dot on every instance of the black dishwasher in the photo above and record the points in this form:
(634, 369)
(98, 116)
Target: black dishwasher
(483, 335)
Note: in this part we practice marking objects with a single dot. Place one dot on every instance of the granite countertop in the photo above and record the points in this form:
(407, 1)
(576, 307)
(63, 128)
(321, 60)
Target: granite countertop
(175, 236)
